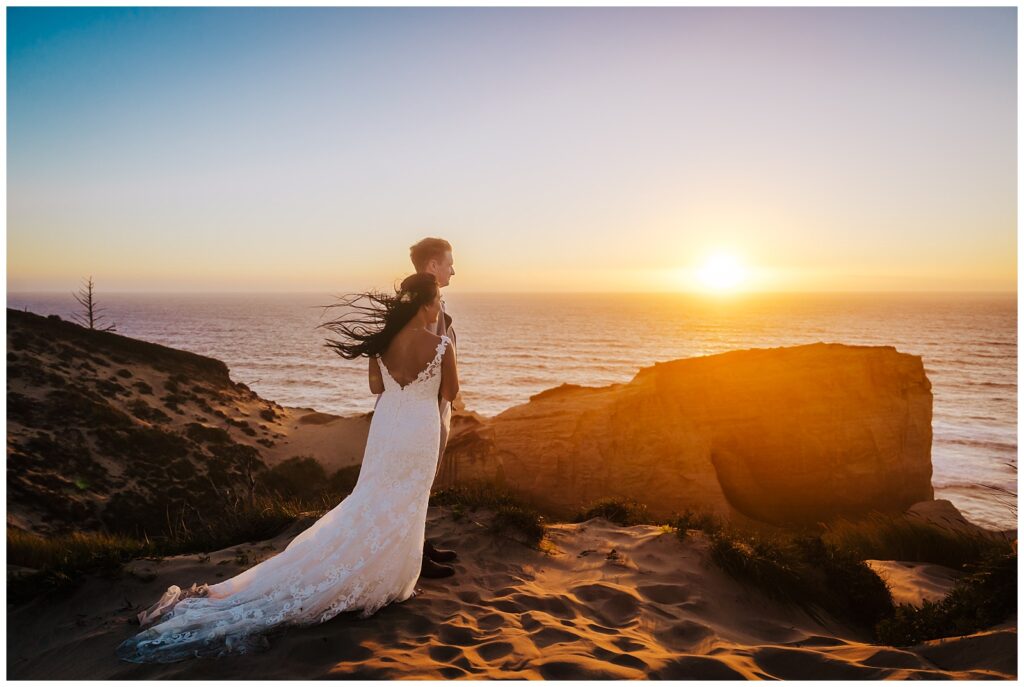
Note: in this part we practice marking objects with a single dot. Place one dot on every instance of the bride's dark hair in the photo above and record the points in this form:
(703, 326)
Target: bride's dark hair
(374, 317)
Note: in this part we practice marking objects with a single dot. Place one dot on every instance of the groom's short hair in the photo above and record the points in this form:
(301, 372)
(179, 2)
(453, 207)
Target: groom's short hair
(426, 250)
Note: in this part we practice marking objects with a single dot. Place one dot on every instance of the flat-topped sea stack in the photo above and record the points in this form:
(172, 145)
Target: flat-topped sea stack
(786, 435)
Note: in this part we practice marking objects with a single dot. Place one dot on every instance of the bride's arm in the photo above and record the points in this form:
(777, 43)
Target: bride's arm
(376, 380)
(449, 375)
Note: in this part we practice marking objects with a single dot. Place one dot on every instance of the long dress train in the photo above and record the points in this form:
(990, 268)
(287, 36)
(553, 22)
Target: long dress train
(362, 555)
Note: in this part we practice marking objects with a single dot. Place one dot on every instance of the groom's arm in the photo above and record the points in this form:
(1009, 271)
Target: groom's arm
(376, 380)
(449, 375)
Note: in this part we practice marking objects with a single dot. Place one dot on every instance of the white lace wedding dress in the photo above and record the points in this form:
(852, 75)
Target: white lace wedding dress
(362, 555)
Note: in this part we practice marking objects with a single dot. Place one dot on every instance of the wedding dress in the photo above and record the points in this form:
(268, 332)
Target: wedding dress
(362, 555)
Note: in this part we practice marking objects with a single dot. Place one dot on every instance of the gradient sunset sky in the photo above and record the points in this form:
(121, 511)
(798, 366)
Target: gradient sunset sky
(581, 149)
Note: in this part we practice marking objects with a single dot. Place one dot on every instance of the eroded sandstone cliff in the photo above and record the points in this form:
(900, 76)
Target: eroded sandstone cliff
(780, 435)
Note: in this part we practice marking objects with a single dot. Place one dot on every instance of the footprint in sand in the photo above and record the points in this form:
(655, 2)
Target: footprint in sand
(696, 668)
(558, 606)
(665, 593)
(613, 605)
(506, 605)
(505, 591)
(494, 650)
(451, 672)
(491, 621)
(628, 644)
(786, 663)
(528, 621)
(594, 627)
(459, 636)
(686, 634)
(620, 659)
(444, 654)
(470, 596)
(553, 635)
(581, 668)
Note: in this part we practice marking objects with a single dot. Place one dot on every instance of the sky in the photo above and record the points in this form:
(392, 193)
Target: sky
(557, 149)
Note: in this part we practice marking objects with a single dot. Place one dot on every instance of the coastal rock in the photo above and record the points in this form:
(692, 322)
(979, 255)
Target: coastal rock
(779, 435)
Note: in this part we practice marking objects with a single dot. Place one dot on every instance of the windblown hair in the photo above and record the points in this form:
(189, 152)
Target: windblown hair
(426, 250)
(374, 318)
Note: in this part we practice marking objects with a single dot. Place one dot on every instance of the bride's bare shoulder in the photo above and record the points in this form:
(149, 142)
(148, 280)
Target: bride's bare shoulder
(429, 338)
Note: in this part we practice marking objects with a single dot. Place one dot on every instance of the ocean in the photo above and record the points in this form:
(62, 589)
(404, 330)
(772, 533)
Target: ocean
(514, 345)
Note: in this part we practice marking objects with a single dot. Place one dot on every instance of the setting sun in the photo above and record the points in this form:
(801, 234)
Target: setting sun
(721, 272)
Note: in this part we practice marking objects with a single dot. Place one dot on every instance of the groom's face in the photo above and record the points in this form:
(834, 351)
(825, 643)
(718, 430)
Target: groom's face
(443, 269)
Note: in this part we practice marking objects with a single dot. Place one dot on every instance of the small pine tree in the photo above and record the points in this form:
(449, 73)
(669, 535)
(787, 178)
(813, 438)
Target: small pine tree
(91, 317)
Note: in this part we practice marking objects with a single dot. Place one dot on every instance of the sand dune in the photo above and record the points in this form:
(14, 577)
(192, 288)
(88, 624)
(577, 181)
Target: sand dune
(597, 601)
(335, 441)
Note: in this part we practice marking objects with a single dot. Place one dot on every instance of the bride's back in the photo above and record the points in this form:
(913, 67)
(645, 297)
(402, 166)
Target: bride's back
(409, 353)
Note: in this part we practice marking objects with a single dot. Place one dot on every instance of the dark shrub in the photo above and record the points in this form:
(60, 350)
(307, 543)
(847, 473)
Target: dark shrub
(72, 406)
(477, 495)
(343, 481)
(23, 409)
(768, 564)
(693, 520)
(145, 444)
(852, 589)
(512, 512)
(525, 522)
(620, 510)
(297, 477)
(895, 537)
(979, 600)
(207, 435)
(172, 401)
(180, 469)
(144, 411)
(110, 388)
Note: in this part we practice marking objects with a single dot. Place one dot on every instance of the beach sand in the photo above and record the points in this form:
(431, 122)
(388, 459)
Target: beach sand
(597, 600)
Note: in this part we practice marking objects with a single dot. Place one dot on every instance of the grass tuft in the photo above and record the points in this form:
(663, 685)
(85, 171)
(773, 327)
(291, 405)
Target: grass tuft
(695, 520)
(620, 510)
(895, 537)
(512, 513)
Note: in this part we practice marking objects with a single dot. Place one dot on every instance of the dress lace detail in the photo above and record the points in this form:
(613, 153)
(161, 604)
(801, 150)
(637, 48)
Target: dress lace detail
(362, 555)
(425, 374)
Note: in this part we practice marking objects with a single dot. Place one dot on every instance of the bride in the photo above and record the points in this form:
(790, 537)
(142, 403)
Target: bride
(367, 551)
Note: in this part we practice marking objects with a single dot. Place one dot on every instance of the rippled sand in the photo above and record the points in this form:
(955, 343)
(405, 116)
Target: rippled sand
(599, 601)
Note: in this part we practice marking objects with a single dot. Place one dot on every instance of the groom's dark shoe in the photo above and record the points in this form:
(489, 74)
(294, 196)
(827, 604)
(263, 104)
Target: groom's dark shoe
(438, 555)
(431, 569)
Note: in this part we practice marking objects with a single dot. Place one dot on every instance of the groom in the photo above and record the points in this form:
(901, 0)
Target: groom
(434, 256)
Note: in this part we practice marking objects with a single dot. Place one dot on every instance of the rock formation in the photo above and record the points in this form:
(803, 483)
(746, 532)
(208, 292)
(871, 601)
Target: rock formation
(779, 435)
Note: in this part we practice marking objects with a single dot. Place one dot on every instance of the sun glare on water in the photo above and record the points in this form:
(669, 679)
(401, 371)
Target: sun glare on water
(721, 272)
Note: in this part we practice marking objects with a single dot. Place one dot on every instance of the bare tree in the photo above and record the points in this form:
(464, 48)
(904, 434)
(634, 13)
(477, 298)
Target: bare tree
(91, 318)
